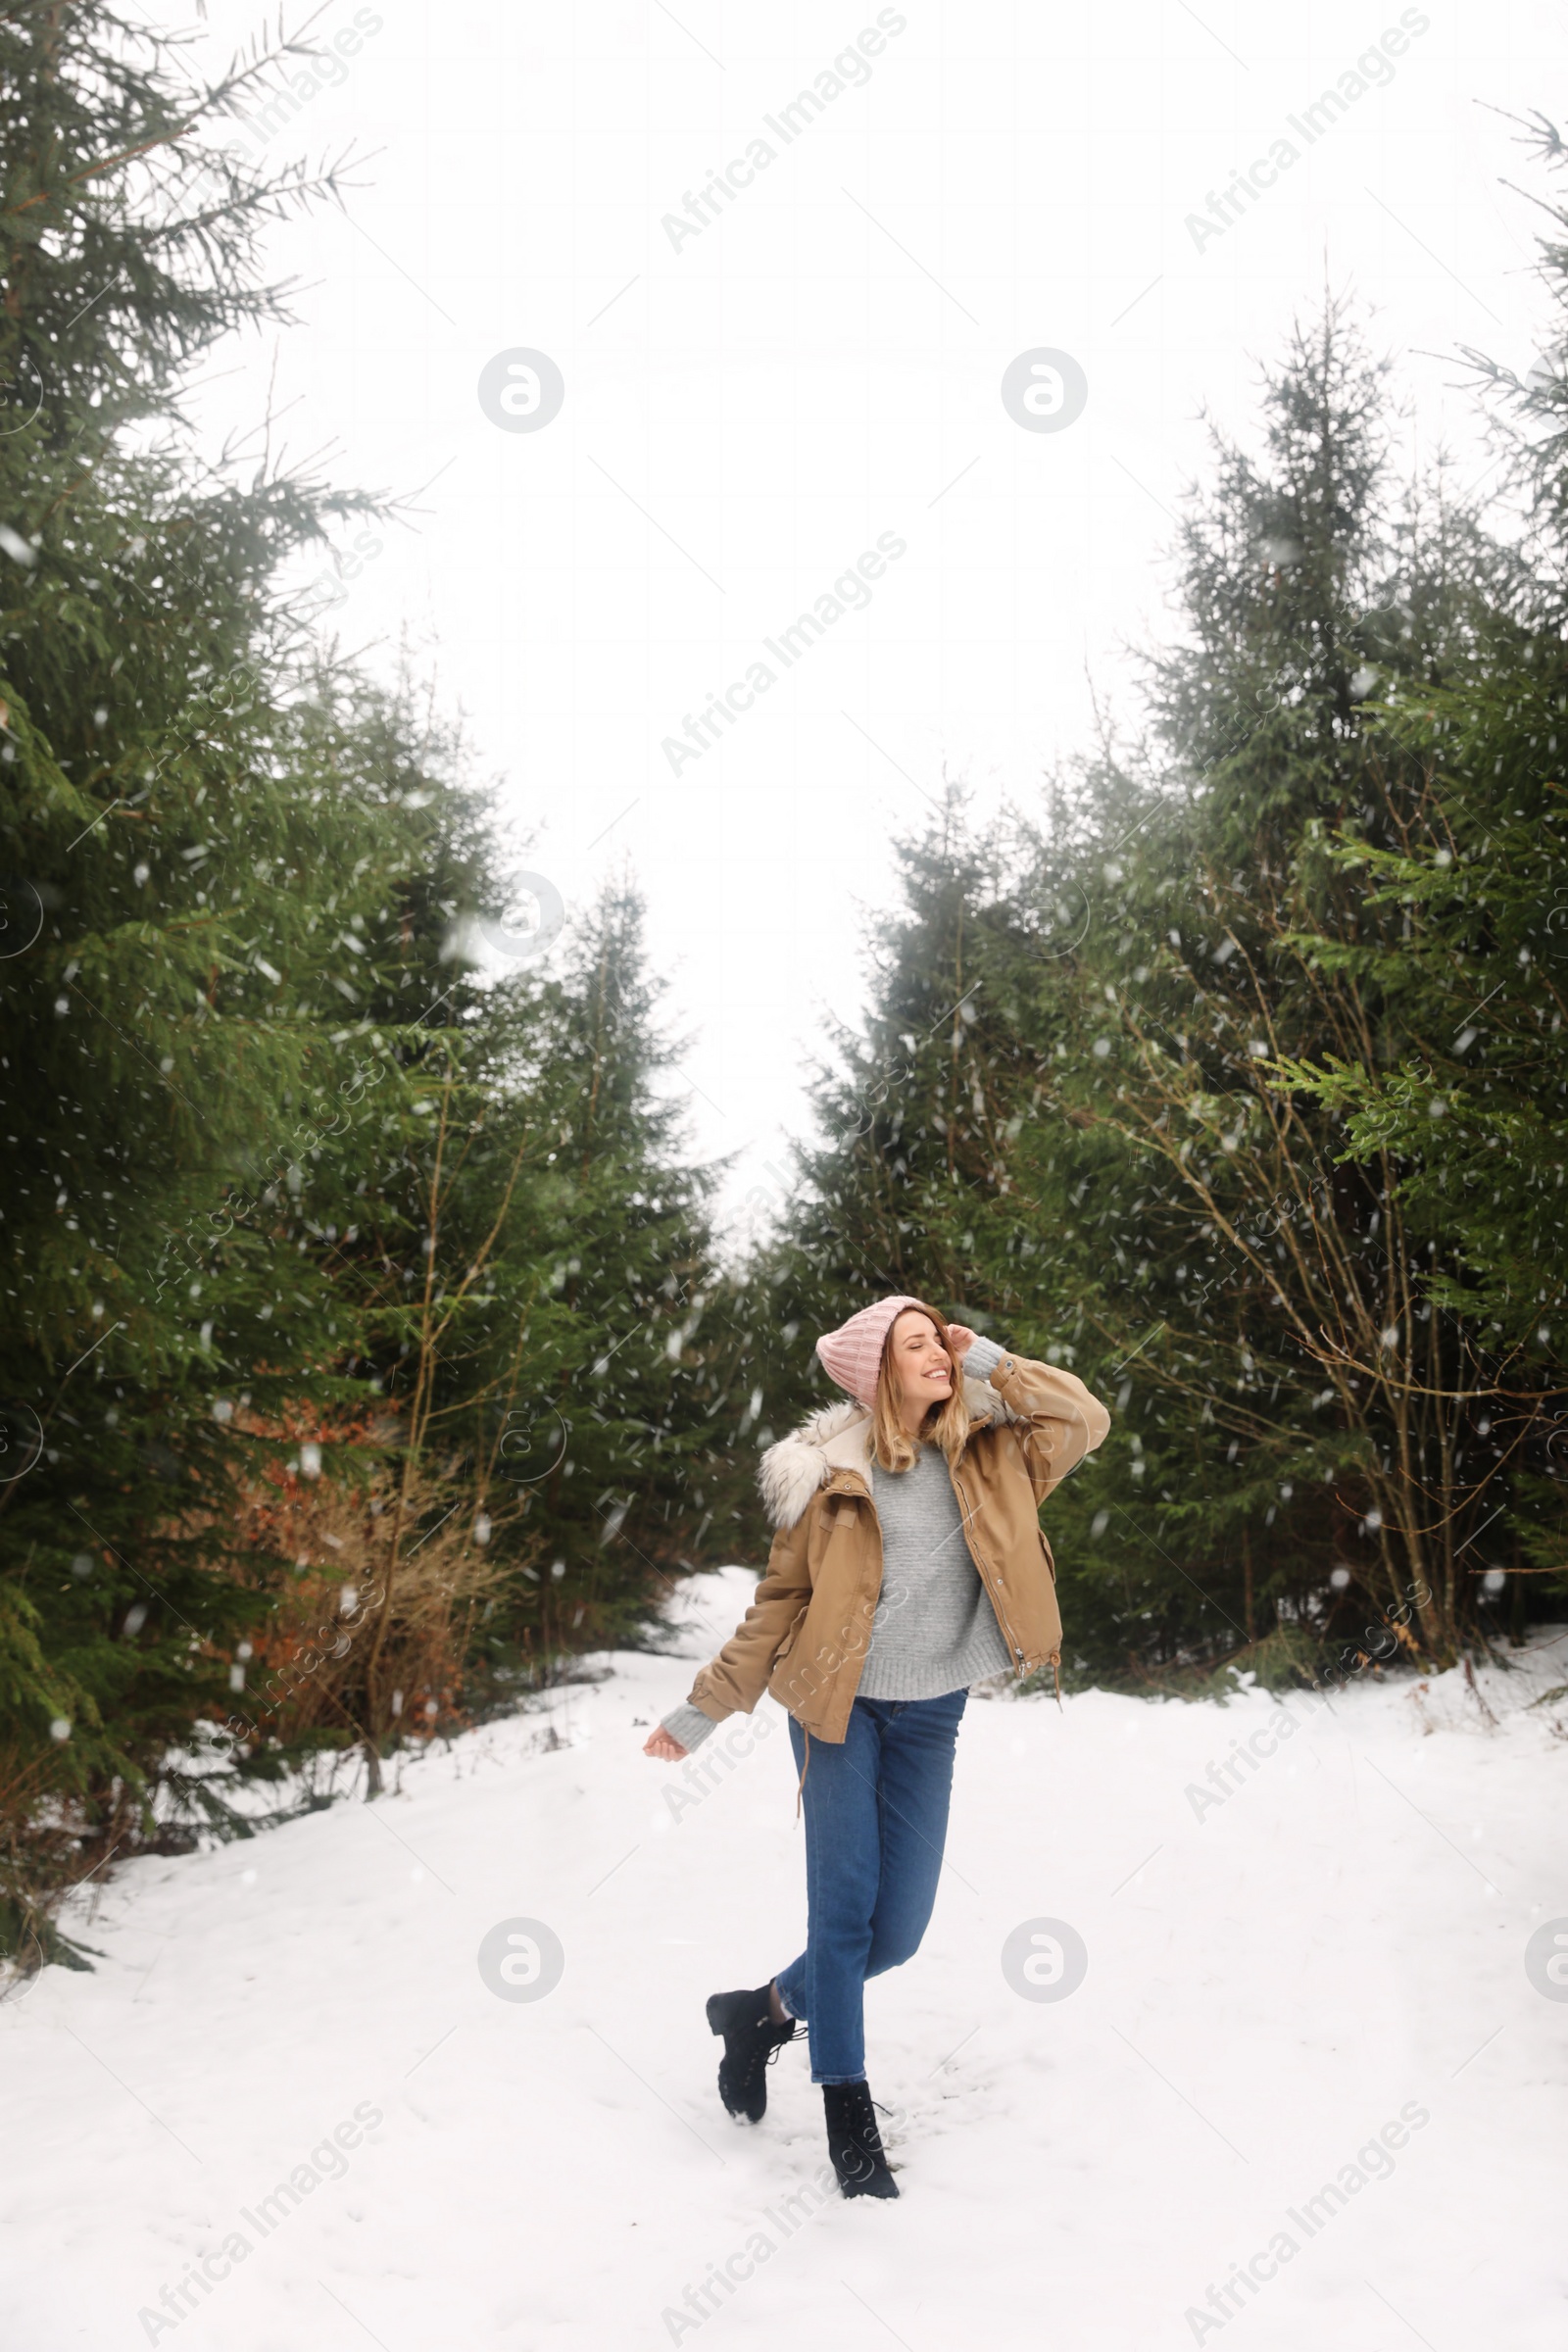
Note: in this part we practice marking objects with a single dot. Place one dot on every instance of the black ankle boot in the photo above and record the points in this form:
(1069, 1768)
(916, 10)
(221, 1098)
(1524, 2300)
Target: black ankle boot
(854, 2141)
(751, 2042)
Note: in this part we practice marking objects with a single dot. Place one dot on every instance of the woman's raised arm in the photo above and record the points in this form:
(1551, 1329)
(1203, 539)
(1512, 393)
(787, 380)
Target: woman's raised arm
(1059, 1421)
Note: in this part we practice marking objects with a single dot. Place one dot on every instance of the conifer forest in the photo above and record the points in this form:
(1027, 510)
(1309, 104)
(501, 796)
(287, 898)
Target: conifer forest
(388, 1343)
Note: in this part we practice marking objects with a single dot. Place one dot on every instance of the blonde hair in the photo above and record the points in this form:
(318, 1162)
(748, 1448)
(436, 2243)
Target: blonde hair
(946, 1424)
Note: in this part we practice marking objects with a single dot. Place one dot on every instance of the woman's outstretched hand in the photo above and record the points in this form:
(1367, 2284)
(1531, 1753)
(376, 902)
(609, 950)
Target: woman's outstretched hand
(960, 1338)
(663, 1746)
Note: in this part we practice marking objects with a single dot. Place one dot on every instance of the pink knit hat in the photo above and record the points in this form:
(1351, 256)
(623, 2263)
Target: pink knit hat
(853, 1353)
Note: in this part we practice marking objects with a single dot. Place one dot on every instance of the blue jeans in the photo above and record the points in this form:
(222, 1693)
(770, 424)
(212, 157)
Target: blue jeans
(876, 1819)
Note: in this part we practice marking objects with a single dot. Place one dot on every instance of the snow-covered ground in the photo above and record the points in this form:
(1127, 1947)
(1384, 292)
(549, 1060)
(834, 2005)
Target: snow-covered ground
(1275, 1980)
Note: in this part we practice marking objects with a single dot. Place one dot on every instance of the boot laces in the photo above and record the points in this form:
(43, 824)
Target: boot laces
(795, 2027)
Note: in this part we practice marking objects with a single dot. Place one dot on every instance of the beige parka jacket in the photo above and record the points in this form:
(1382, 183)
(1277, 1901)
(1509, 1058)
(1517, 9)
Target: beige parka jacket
(806, 1633)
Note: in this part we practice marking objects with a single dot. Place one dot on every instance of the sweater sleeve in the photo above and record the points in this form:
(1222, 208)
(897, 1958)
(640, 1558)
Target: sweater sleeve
(983, 1358)
(689, 1724)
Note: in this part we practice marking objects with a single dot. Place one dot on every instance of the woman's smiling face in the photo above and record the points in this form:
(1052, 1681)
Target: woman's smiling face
(920, 1365)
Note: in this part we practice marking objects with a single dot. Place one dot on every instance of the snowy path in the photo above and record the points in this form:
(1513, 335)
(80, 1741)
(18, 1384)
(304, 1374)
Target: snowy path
(1336, 1944)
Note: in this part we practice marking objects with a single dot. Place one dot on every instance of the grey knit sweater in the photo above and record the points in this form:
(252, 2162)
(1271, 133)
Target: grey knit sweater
(934, 1630)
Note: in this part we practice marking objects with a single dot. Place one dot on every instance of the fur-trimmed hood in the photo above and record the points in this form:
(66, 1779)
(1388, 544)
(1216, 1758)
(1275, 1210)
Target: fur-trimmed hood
(838, 1438)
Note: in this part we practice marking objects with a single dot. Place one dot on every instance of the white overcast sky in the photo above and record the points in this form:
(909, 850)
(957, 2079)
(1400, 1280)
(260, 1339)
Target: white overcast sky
(748, 411)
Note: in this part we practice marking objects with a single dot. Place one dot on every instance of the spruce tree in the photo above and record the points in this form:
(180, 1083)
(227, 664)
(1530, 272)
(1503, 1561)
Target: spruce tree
(234, 1012)
(1118, 1150)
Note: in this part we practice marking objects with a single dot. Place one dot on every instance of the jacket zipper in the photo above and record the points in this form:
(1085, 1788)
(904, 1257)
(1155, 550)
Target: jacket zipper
(861, 1492)
(1015, 1645)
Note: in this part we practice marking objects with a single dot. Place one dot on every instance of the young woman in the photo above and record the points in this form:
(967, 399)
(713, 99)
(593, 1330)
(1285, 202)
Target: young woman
(907, 1564)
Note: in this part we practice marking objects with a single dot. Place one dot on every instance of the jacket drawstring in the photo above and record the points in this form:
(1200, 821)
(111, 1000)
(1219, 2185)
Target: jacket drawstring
(1055, 1673)
(800, 1783)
